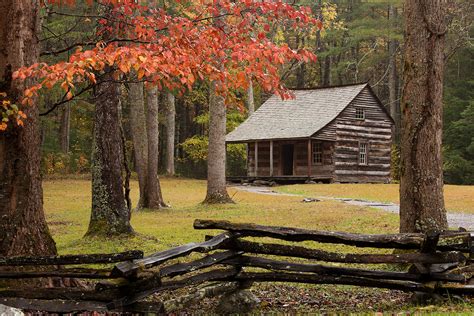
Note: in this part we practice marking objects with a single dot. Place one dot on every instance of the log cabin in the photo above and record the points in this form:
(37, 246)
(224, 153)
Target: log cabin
(335, 134)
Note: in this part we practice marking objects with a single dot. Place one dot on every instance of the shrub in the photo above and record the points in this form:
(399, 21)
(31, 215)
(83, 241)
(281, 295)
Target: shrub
(195, 162)
(63, 164)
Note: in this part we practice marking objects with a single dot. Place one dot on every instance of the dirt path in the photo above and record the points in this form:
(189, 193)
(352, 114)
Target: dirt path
(454, 219)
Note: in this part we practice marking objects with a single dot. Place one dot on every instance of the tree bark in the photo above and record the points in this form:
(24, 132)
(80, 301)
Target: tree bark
(301, 71)
(324, 64)
(170, 133)
(110, 214)
(421, 189)
(23, 229)
(250, 98)
(139, 135)
(65, 128)
(153, 198)
(393, 77)
(326, 79)
(216, 157)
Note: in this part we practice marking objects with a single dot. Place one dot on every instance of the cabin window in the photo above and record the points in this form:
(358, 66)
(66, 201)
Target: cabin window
(362, 153)
(360, 113)
(317, 153)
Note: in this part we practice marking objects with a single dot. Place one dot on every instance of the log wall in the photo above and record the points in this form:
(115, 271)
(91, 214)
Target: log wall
(263, 159)
(375, 130)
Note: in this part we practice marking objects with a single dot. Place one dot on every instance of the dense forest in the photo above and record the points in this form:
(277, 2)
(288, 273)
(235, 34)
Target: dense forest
(361, 41)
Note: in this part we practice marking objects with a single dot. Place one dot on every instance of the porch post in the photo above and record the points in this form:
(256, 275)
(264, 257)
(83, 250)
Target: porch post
(309, 158)
(248, 158)
(225, 162)
(256, 158)
(271, 158)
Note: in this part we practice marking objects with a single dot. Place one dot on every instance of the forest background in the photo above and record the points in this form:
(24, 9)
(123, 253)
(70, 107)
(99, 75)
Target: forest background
(362, 41)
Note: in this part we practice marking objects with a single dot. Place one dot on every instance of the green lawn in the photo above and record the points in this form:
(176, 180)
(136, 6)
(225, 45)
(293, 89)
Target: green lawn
(458, 198)
(67, 205)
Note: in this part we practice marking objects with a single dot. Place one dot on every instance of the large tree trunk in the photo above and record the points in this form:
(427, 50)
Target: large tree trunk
(23, 229)
(421, 189)
(216, 157)
(393, 77)
(170, 133)
(139, 135)
(64, 128)
(110, 214)
(153, 198)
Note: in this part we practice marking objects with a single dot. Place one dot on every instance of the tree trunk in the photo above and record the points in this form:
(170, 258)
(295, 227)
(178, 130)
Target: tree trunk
(216, 157)
(139, 135)
(393, 77)
(64, 128)
(301, 71)
(421, 189)
(110, 214)
(23, 229)
(326, 80)
(153, 198)
(170, 133)
(250, 98)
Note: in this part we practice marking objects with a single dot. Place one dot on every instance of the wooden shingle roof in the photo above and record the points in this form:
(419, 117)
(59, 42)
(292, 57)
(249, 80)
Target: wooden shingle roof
(301, 117)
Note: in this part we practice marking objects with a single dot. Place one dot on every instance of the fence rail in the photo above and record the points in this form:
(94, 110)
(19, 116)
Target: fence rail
(438, 263)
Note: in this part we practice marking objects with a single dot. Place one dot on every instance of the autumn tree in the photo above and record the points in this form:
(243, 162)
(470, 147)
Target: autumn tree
(161, 49)
(23, 229)
(421, 186)
(216, 153)
(110, 214)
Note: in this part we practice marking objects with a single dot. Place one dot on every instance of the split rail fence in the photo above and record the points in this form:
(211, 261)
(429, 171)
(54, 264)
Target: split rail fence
(231, 261)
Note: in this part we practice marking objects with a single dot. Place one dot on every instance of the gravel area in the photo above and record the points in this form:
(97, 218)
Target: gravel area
(454, 219)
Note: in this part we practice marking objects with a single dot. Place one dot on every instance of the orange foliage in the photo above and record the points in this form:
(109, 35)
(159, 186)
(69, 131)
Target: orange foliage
(175, 51)
(9, 112)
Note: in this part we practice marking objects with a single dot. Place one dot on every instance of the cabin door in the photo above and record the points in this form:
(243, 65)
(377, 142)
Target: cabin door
(287, 154)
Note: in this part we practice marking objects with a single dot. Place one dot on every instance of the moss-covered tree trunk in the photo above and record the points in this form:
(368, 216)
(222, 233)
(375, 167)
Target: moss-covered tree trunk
(421, 189)
(139, 135)
(23, 229)
(110, 214)
(152, 198)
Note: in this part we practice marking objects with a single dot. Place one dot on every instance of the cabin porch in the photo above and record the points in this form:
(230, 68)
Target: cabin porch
(292, 160)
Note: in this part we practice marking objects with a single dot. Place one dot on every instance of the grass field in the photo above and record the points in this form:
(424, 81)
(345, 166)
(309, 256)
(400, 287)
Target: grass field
(67, 206)
(458, 198)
